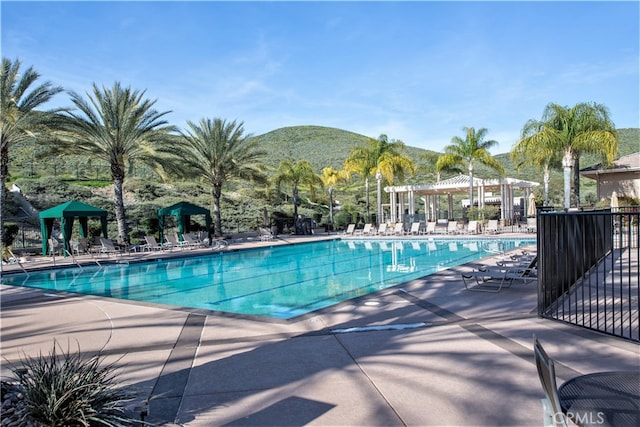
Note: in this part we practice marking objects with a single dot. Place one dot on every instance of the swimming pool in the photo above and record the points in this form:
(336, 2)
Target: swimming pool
(280, 282)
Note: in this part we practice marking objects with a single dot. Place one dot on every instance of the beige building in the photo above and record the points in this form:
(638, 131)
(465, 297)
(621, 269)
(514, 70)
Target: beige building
(623, 177)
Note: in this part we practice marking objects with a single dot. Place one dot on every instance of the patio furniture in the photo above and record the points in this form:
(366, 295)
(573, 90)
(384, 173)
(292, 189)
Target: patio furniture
(603, 398)
(494, 278)
(552, 411)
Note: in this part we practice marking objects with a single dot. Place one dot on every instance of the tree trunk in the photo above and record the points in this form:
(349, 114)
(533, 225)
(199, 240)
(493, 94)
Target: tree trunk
(470, 187)
(4, 172)
(546, 179)
(295, 209)
(216, 193)
(567, 162)
(576, 180)
(121, 218)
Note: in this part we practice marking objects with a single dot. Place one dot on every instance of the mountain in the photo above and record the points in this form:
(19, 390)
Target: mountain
(325, 146)
(322, 146)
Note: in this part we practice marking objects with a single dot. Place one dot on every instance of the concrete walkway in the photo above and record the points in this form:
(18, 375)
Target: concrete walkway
(424, 353)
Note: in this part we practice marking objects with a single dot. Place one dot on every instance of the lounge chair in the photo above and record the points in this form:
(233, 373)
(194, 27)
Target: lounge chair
(382, 229)
(431, 228)
(80, 247)
(350, 229)
(151, 244)
(532, 225)
(452, 227)
(189, 241)
(495, 278)
(472, 227)
(552, 411)
(415, 229)
(492, 227)
(398, 229)
(265, 234)
(367, 230)
(108, 247)
(173, 241)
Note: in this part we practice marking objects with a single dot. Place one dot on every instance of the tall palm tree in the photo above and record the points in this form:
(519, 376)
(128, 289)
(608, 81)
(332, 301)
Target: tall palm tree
(465, 152)
(296, 174)
(119, 126)
(536, 152)
(218, 152)
(330, 178)
(19, 119)
(584, 128)
(379, 155)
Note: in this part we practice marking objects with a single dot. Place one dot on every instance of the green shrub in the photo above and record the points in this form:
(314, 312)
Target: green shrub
(68, 389)
(9, 234)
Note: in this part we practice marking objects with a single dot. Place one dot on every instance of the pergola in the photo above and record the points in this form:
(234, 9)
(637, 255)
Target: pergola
(66, 213)
(404, 197)
(183, 212)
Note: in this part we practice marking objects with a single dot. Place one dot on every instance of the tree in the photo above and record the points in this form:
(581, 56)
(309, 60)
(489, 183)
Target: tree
(536, 152)
(296, 174)
(218, 152)
(584, 128)
(19, 119)
(121, 127)
(330, 178)
(379, 155)
(465, 152)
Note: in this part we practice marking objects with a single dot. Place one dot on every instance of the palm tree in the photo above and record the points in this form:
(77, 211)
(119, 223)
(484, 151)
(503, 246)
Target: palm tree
(19, 119)
(217, 151)
(379, 155)
(119, 126)
(330, 178)
(584, 128)
(296, 174)
(465, 152)
(535, 152)
(431, 166)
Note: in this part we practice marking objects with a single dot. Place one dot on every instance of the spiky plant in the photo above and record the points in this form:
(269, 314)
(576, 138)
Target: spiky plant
(67, 388)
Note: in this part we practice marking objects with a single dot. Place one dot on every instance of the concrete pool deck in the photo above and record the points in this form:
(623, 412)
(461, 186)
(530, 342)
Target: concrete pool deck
(424, 353)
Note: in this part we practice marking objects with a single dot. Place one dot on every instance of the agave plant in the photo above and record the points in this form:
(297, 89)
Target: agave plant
(68, 389)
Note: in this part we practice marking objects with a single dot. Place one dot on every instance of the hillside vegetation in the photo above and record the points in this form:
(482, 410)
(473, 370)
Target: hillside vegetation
(50, 181)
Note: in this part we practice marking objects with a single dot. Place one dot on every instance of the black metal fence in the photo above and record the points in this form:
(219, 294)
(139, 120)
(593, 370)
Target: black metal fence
(588, 270)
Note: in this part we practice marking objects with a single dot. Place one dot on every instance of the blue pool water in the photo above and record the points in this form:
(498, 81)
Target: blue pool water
(279, 282)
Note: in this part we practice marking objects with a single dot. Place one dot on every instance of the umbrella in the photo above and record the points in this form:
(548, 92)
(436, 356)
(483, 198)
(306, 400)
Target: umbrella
(531, 209)
(614, 202)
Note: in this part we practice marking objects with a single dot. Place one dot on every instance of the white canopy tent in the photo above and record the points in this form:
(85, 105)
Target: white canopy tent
(403, 197)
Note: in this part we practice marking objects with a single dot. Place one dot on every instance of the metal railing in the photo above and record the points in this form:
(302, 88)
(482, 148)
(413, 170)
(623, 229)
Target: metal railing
(588, 270)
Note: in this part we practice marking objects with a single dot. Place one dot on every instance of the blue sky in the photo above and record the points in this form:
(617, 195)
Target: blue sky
(416, 71)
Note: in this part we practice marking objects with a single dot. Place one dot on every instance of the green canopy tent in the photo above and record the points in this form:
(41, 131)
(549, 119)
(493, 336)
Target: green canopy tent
(67, 212)
(183, 211)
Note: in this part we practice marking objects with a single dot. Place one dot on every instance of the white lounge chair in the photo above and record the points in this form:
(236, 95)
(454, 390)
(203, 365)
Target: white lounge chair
(452, 227)
(382, 229)
(415, 229)
(431, 228)
(398, 229)
(350, 229)
(472, 227)
(492, 227)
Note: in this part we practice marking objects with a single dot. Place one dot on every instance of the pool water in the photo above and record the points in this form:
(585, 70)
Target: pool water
(279, 282)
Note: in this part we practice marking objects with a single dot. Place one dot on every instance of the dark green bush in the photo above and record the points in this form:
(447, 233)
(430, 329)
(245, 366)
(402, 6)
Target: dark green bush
(68, 389)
